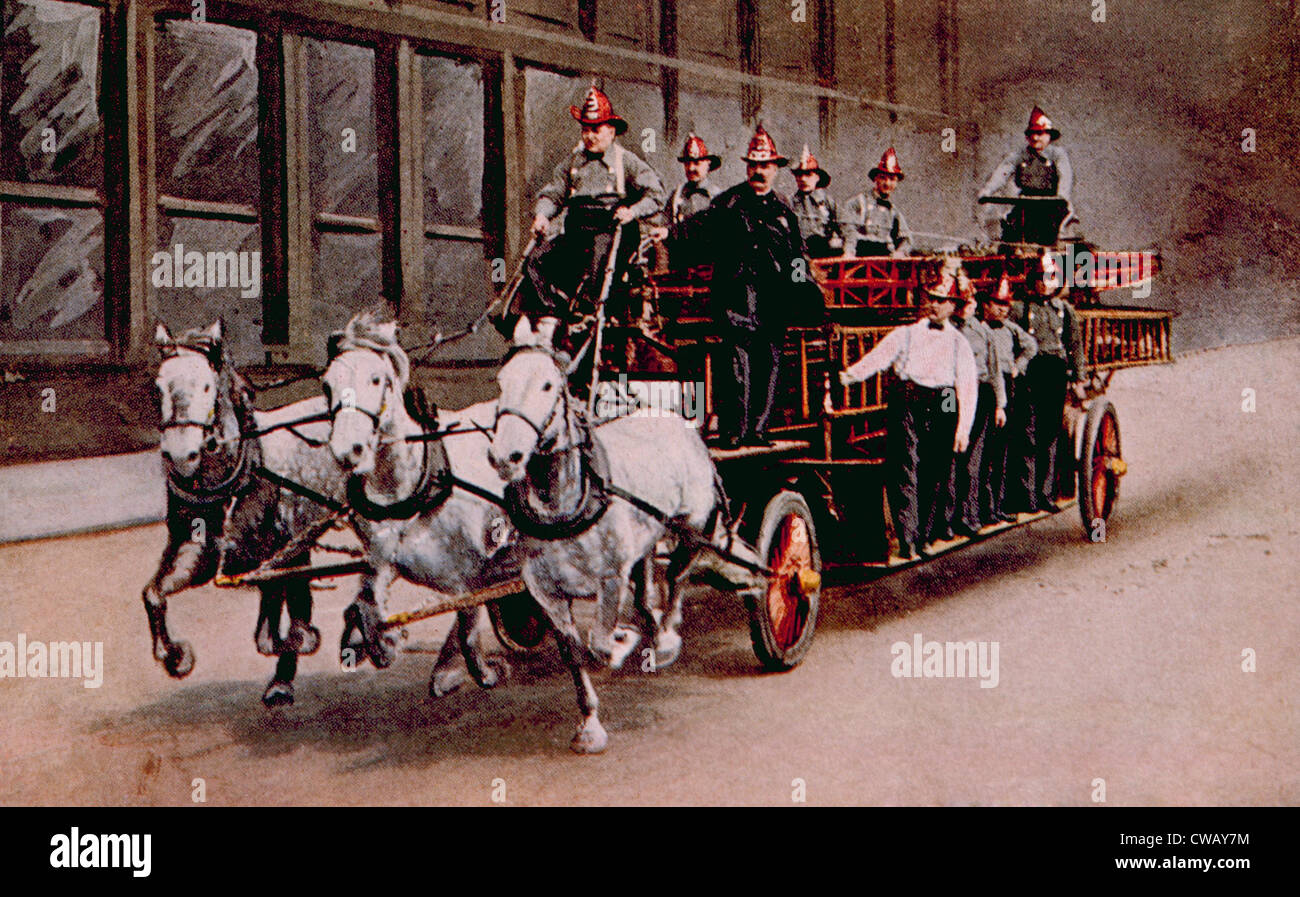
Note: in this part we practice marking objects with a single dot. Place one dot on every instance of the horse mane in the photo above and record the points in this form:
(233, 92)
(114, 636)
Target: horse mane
(364, 332)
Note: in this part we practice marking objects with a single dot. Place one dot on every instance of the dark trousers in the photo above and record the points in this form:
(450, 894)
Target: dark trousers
(919, 435)
(1043, 387)
(564, 276)
(744, 387)
(1037, 223)
(870, 249)
(993, 466)
(964, 492)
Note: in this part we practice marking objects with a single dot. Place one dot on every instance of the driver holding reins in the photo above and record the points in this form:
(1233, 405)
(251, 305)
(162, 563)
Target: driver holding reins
(599, 187)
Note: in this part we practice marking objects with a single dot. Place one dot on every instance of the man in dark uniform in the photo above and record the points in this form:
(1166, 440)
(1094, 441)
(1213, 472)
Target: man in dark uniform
(687, 201)
(1040, 169)
(1015, 348)
(599, 187)
(870, 223)
(966, 518)
(1051, 320)
(818, 219)
(761, 284)
(930, 414)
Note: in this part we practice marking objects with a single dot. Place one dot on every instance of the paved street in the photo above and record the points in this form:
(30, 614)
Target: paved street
(1120, 661)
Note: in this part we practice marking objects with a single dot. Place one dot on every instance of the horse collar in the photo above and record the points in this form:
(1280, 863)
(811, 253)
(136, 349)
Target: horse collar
(546, 524)
(232, 485)
(430, 492)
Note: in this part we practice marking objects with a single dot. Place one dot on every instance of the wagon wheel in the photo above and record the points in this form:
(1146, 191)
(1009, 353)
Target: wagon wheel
(783, 615)
(1100, 468)
(519, 623)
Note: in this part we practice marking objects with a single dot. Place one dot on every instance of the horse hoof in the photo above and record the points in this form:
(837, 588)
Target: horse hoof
(668, 647)
(591, 738)
(444, 682)
(362, 621)
(278, 694)
(179, 660)
(623, 642)
(264, 639)
(383, 652)
(303, 639)
(495, 671)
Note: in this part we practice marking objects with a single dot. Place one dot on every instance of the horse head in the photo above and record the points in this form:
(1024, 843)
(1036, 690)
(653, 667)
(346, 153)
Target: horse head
(363, 385)
(189, 386)
(533, 408)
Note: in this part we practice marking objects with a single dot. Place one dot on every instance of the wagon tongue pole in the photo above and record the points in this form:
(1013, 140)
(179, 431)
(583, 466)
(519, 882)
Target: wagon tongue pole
(606, 282)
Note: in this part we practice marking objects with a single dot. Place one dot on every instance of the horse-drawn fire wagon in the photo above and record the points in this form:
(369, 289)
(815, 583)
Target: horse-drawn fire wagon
(816, 498)
(480, 503)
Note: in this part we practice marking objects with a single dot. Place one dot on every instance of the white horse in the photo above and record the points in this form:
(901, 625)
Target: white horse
(591, 503)
(221, 511)
(431, 533)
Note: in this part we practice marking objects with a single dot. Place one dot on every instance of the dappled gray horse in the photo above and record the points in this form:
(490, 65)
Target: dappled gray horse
(591, 503)
(415, 521)
(222, 516)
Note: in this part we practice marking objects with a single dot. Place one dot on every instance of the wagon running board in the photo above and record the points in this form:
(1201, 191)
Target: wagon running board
(938, 549)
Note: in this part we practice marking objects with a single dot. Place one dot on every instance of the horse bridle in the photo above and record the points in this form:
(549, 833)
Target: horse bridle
(375, 416)
(207, 426)
(222, 491)
(561, 402)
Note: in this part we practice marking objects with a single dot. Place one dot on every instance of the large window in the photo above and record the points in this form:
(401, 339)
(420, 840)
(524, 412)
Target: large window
(343, 172)
(456, 278)
(51, 180)
(208, 235)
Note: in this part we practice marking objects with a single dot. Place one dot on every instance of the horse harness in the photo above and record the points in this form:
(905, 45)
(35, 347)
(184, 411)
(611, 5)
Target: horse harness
(593, 471)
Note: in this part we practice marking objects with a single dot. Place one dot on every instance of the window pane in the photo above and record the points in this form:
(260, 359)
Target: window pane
(228, 282)
(52, 280)
(344, 164)
(549, 131)
(206, 83)
(345, 279)
(52, 130)
(706, 30)
(453, 141)
(456, 283)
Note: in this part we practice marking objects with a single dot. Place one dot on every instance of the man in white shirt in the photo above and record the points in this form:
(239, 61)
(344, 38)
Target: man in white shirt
(930, 413)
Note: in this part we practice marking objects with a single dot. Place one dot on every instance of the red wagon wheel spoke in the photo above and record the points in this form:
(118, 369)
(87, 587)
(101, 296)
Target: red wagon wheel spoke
(787, 606)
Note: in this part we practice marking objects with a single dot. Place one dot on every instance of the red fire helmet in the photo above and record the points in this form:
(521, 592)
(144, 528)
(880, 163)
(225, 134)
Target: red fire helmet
(763, 149)
(695, 149)
(888, 165)
(596, 110)
(808, 164)
(1039, 122)
(1002, 295)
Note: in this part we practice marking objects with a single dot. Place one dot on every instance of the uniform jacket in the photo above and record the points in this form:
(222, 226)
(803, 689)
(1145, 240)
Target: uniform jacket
(1054, 325)
(988, 364)
(817, 214)
(761, 278)
(690, 199)
(1033, 174)
(615, 177)
(874, 219)
(1016, 346)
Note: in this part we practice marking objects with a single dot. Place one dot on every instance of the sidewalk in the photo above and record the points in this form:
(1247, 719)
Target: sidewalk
(60, 498)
